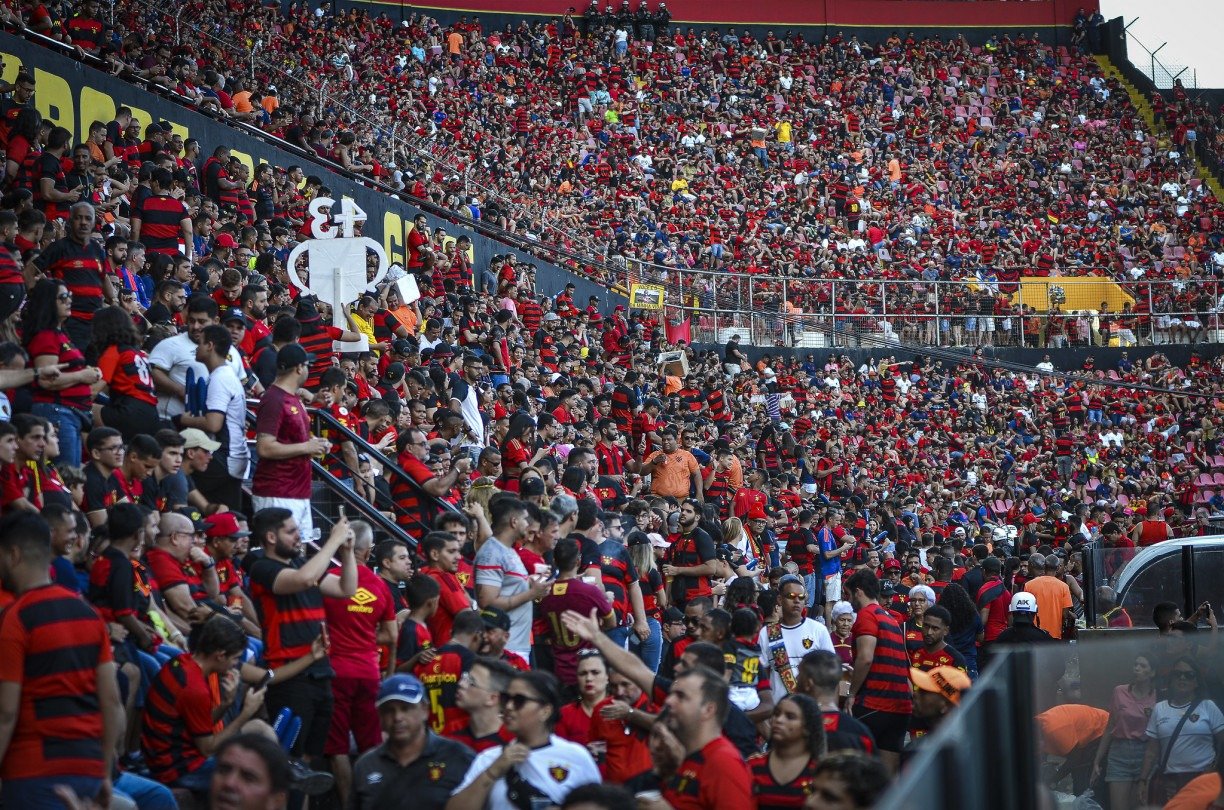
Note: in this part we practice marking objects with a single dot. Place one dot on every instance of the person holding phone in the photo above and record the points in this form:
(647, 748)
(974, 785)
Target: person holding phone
(288, 591)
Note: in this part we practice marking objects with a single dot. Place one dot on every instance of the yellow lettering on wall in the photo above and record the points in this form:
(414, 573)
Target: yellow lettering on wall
(95, 106)
(53, 99)
(245, 158)
(393, 226)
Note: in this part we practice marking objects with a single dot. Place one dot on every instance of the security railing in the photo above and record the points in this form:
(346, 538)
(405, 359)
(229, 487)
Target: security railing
(1031, 313)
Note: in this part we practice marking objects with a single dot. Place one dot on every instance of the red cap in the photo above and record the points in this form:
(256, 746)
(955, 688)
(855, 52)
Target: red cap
(225, 241)
(892, 565)
(224, 524)
(757, 513)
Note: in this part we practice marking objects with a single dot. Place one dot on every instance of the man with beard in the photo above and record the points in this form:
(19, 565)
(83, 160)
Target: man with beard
(173, 358)
(288, 591)
(394, 564)
(441, 553)
(691, 560)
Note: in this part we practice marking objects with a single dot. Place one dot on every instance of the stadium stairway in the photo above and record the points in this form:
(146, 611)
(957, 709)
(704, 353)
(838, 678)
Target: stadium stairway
(1141, 103)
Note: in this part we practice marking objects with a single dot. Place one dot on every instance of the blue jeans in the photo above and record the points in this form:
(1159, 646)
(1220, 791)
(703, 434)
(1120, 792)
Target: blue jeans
(809, 585)
(620, 636)
(650, 650)
(39, 794)
(199, 780)
(150, 664)
(71, 424)
(147, 794)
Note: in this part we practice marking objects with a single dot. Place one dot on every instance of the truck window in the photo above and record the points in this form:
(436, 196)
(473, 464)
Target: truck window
(1159, 581)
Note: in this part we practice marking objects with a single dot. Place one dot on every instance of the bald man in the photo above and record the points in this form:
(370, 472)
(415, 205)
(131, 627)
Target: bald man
(184, 572)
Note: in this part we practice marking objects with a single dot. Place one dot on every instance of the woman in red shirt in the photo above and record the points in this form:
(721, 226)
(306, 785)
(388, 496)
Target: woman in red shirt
(125, 370)
(575, 722)
(64, 401)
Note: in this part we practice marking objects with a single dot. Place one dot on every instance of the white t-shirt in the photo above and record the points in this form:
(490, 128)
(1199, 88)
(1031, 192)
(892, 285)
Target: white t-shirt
(227, 396)
(175, 356)
(1194, 749)
(800, 640)
(553, 770)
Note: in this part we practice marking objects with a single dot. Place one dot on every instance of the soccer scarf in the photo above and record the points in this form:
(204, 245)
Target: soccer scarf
(781, 658)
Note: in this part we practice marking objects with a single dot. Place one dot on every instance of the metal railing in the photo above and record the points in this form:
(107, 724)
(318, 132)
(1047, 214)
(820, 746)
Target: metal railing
(1033, 313)
(1160, 74)
(409, 525)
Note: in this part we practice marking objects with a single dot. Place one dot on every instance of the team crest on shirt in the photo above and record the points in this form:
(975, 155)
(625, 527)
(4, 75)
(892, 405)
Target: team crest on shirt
(436, 771)
(558, 773)
(1194, 718)
(293, 410)
(807, 643)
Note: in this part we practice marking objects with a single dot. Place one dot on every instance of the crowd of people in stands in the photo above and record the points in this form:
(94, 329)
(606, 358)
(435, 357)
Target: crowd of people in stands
(721, 151)
(728, 582)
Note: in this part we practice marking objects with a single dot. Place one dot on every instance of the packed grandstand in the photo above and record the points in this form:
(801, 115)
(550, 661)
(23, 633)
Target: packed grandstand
(931, 362)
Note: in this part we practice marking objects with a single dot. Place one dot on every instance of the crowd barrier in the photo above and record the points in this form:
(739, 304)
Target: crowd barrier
(815, 313)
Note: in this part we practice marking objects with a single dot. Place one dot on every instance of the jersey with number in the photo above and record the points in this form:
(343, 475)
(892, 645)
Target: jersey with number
(580, 597)
(743, 658)
(126, 371)
(441, 679)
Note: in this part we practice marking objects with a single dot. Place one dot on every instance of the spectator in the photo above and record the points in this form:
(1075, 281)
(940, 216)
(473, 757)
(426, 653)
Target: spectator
(501, 579)
(68, 627)
(402, 769)
(223, 416)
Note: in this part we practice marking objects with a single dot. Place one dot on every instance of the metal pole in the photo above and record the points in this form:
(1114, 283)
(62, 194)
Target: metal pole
(177, 38)
(938, 331)
(833, 311)
(1151, 315)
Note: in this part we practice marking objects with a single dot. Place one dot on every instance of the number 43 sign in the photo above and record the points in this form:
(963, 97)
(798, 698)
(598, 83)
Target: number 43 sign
(336, 258)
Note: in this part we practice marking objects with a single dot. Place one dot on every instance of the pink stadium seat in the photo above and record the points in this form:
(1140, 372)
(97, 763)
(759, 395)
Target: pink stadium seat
(1218, 479)
(1204, 480)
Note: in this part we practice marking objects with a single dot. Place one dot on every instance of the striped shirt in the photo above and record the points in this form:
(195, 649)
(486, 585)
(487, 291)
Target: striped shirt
(178, 709)
(887, 686)
(52, 643)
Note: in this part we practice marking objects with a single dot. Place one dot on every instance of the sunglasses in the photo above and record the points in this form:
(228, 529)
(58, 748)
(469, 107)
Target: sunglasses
(796, 596)
(691, 620)
(1185, 674)
(517, 701)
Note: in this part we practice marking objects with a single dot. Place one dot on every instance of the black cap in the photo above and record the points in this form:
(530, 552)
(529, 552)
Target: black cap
(234, 314)
(496, 619)
(672, 614)
(532, 487)
(292, 356)
(195, 516)
(402, 346)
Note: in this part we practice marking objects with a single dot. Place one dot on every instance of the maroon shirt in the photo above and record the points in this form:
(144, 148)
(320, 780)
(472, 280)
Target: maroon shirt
(579, 596)
(283, 416)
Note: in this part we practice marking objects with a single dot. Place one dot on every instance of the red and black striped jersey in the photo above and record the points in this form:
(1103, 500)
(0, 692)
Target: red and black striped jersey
(410, 513)
(767, 791)
(178, 709)
(618, 573)
(478, 744)
(112, 585)
(844, 732)
(126, 371)
(52, 643)
(10, 265)
(887, 686)
(161, 217)
(291, 622)
(80, 268)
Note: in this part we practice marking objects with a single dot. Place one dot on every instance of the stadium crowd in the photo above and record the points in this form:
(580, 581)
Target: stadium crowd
(743, 583)
(716, 151)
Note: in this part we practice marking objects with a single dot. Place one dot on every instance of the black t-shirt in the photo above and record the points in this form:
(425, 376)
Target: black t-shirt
(844, 732)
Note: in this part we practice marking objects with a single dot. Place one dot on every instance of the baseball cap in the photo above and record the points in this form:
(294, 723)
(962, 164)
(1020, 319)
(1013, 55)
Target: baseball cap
(757, 513)
(402, 346)
(195, 516)
(892, 565)
(531, 487)
(224, 524)
(404, 688)
(496, 619)
(225, 241)
(292, 356)
(233, 314)
(194, 437)
(949, 682)
(658, 541)
(552, 316)
(1023, 603)
(673, 614)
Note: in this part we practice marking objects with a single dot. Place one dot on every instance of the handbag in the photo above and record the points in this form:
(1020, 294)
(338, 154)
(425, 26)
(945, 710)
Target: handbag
(1168, 751)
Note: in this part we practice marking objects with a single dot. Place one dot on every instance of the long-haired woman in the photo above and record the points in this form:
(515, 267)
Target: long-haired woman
(538, 764)
(125, 370)
(66, 400)
(782, 777)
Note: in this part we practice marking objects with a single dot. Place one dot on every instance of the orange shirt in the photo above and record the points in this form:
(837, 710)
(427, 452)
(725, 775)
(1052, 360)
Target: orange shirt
(1198, 794)
(675, 477)
(1053, 596)
(454, 42)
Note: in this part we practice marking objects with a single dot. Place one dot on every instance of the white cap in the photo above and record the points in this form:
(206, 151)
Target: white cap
(1023, 602)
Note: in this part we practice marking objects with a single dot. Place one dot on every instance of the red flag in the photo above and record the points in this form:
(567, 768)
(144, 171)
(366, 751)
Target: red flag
(677, 332)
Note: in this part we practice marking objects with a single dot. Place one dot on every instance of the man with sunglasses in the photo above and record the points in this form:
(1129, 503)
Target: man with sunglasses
(784, 643)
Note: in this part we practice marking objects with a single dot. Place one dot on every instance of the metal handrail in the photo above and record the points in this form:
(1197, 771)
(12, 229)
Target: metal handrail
(366, 510)
(390, 466)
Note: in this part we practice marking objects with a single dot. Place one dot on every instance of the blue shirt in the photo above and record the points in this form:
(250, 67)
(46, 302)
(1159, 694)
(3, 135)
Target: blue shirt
(827, 542)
